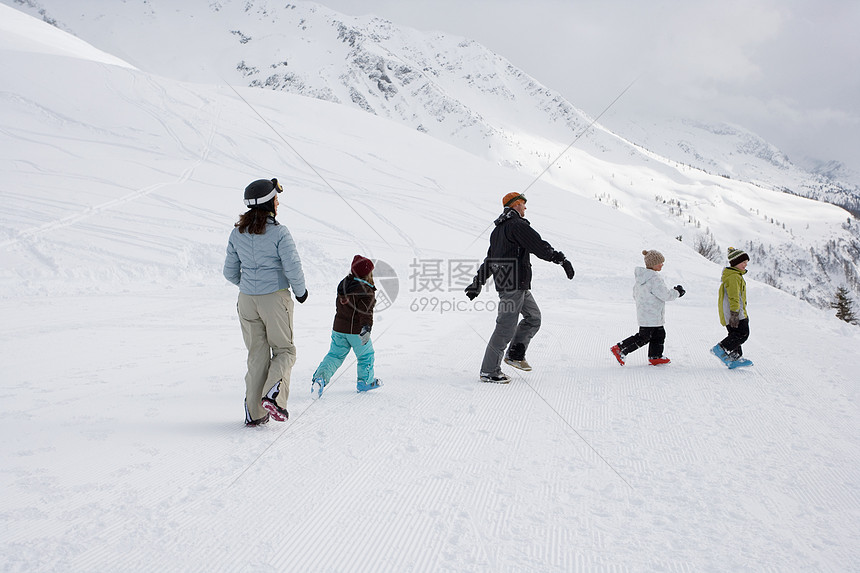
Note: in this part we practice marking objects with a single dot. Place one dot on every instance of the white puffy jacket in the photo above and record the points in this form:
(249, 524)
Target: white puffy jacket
(651, 294)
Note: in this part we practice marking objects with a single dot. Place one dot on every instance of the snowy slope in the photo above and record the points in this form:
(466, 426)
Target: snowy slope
(459, 92)
(734, 152)
(122, 361)
(450, 87)
(19, 33)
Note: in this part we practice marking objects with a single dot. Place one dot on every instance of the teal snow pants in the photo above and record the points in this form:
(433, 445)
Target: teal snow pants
(340, 346)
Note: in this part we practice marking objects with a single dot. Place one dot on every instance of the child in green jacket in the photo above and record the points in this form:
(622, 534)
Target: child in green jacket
(732, 305)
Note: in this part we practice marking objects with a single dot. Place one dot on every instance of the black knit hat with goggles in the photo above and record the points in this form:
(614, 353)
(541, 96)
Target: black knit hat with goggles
(261, 194)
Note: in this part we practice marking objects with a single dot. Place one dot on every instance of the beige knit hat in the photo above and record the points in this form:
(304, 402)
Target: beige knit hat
(653, 258)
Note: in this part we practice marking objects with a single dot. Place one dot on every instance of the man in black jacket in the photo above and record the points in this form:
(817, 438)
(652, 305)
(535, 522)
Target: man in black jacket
(511, 243)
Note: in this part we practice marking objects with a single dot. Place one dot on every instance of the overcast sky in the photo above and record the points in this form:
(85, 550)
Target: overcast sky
(787, 69)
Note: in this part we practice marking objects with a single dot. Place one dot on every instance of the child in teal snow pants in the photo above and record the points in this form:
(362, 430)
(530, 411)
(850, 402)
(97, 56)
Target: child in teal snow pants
(353, 321)
(340, 346)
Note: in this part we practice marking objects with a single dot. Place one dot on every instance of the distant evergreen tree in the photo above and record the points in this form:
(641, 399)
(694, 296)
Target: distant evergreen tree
(843, 305)
(707, 247)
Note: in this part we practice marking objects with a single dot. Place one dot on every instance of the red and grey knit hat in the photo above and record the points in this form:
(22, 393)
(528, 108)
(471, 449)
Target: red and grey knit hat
(361, 267)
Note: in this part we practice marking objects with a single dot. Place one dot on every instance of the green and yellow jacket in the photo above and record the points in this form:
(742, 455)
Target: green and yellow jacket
(733, 294)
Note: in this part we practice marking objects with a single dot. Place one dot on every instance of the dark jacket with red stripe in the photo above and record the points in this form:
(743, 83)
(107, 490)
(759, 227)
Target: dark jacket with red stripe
(355, 301)
(511, 243)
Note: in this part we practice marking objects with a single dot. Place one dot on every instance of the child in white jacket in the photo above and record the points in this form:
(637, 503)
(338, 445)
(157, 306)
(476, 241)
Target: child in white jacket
(650, 294)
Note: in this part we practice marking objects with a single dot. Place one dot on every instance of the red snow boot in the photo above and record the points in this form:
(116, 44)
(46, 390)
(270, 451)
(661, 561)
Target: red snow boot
(619, 356)
(277, 413)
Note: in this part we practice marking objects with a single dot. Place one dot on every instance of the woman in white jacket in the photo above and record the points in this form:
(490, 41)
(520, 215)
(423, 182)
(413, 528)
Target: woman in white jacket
(263, 261)
(650, 294)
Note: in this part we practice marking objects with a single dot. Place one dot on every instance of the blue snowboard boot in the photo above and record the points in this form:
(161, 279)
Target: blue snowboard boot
(730, 359)
(318, 384)
(739, 363)
(363, 386)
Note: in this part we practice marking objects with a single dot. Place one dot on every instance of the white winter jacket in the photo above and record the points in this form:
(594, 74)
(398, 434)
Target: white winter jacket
(651, 294)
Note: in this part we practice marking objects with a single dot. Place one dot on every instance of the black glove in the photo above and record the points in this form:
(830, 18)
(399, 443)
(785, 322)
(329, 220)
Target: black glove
(558, 257)
(303, 298)
(734, 319)
(680, 290)
(473, 290)
(364, 334)
(568, 268)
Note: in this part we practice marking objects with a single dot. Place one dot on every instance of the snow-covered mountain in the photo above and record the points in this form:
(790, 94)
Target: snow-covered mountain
(455, 90)
(734, 152)
(450, 87)
(122, 363)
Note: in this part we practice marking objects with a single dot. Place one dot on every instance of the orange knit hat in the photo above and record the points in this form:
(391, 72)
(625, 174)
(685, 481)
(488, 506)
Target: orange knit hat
(512, 199)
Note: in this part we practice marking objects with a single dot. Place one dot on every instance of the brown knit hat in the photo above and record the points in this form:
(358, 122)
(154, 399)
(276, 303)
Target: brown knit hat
(653, 258)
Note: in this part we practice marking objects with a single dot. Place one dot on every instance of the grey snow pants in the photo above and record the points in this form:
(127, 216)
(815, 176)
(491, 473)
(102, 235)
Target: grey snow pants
(508, 330)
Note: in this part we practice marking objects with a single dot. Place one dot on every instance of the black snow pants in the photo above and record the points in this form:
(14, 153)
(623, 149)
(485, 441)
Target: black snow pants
(737, 336)
(653, 336)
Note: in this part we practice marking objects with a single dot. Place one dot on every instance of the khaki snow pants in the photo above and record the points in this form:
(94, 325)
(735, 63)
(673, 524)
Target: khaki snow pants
(267, 327)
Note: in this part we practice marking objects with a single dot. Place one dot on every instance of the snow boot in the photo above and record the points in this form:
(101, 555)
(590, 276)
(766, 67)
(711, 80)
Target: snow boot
(516, 357)
(362, 386)
(619, 356)
(320, 382)
(733, 360)
(250, 422)
(499, 378)
(740, 362)
(255, 423)
(278, 414)
(520, 364)
(271, 406)
(718, 351)
(659, 360)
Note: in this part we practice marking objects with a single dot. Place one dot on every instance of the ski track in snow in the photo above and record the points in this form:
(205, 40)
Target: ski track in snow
(120, 201)
(454, 474)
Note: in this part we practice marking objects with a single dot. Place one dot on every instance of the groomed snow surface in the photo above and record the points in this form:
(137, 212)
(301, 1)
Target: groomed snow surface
(122, 362)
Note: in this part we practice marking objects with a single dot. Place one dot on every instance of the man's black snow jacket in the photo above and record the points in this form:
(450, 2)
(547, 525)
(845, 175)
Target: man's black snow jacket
(507, 260)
